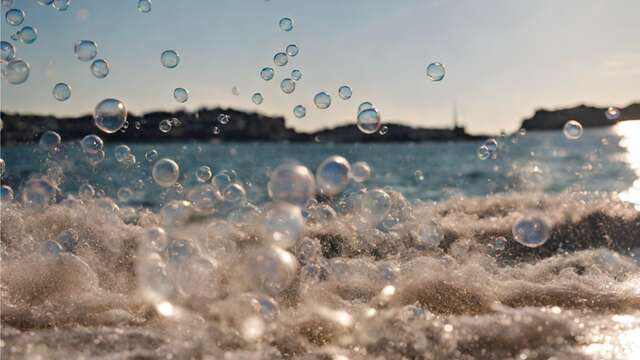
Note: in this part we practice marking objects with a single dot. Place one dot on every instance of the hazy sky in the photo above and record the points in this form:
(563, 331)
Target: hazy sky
(504, 58)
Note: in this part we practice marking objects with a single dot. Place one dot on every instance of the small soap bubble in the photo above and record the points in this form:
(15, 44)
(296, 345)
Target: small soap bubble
(612, 113)
(365, 106)
(7, 51)
(267, 73)
(165, 172)
(61, 5)
(122, 153)
(151, 155)
(16, 71)
(483, 152)
(531, 230)
(345, 92)
(224, 119)
(221, 180)
(165, 125)
(299, 111)
(369, 121)
(144, 6)
(110, 115)
(50, 141)
(86, 191)
(91, 144)
(28, 35)
(204, 198)
(292, 50)
(61, 92)
(169, 59)
(435, 71)
(282, 224)
(270, 269)
(428, 235)
(500, 243)
(572, 130)
(179, 251)
(175, 122)
(85, 50)
(203, 173)
(124, 194)
(287, 86)
(322, 100)
(286, 24)
(6, 193)
(155, 238)
(181, 95)
(333, 175)
(95, 158)
(280, 59)
(257, 98)
(384, 130)
(292, 183)
(100, 68)
(360, 171)
(216, 130)
(522, 132)
(296, 75)
(14, 17)
(235, 194)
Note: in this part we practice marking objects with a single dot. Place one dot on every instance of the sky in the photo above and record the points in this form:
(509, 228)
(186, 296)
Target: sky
(504, 58)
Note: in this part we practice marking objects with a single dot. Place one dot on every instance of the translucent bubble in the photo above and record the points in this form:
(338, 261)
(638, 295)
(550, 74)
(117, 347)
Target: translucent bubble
(50, 249)
(612, 113)
(199, 277)
(291, 182)
(522, 132)
(124, 194)
(6, 193)
(365, 106)
(296, 75)
(235, 91)
(144, 6)
(95, 158)
(360, 171)
(270, 269)
(38, 192)
(287, 86)
(369, 121)
(110, 115)
(286, 24)
(181, 95)
(61, 92)
(165, 172)
(292, 50)
(86, 190)
(61, 5)
(235, 194)
(216, 130)
(151, 155)
(155, 238)
(154, 282)
(204, 198)
(384, 130)
(165, 125)
(282, 224)
(257, 98)
(176, 213)
(428, 235)
(483, 152)
(500, 243)
(203, 173)
(28, 35)
(492, 145)
(85, 50)
(91, 144)
(531, 230)
(374, 206)
(345, 92)
(100, 68)
(14, 17)
(435, 71)
(267, 73)
(50, 141)
(7, 51)
(333, 175)
(299, 111)
(322, 100)
(280, 59)
(16, 71)
(572, 130)
(224, 119)
(122, 152)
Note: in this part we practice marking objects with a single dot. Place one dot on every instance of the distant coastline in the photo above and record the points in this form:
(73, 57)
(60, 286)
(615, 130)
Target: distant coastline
(20, 128)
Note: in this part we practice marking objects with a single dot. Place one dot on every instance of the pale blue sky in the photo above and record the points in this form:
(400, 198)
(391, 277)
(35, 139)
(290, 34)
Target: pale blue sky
(504, 58)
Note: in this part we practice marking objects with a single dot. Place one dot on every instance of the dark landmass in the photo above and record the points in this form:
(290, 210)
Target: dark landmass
(199, 126)
(588, 116)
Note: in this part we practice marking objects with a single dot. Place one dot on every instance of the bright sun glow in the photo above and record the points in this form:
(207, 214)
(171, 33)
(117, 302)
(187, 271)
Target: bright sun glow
(630, 140)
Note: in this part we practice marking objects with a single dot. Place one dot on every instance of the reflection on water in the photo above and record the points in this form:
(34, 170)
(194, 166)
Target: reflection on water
(629, 132)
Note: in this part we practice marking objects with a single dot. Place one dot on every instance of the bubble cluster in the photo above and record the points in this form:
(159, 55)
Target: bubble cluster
(166, 172)
(85, 50)
(332, 175)
(531, 230)
(435, 71)
(572, 130)
(110, 115)
(100, 68)
(369, 121)
(181, 95)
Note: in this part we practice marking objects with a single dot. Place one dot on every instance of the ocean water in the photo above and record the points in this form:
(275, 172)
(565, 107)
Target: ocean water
(433, 283)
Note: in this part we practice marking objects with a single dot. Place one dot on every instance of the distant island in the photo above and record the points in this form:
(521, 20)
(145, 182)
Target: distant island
(244, 126)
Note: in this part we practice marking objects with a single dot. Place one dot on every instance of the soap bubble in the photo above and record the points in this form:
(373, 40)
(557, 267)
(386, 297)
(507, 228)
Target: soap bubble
(100, 68)
(181, 95)
(234, 194)
(296, 75)
(203, 173)
(151, 155)
(92, 144)
(435, 71)
(169, 59)
(85, 50)
(122, 153)
(282, 224)
(38, 192)
(572, 130)
(291, 182)
(322, 100)
(224, 119)
(95, 158)
(199, 277)
(270, 269)
(204, 198)
(257, 98)
(428, 235)
(14, 17)
(28, 35)
(360, 171)
(280, 59)
(365, 106)
(292, 50)
(384, 130)
(86, 191)
(144, 6)
(176, 213)
(61, 5)
(531, 230)
(165, 172)
(299, 111)
(267, 73)
(345, 92)
(61, 92)
(333, 175)
(7, 51)
(110, 115)
(221, 180)
(155, 238)
(216, 130)
(6, 193)
(16, 71)
(287, 86)
(369, 121)
(612, 113)
(49, 141)
(124, 194)
(286, 24)
(483, 152)
(374, 204)
(165, 125)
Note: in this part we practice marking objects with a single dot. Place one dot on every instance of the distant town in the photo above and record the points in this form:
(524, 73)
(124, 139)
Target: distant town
(243, 126)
